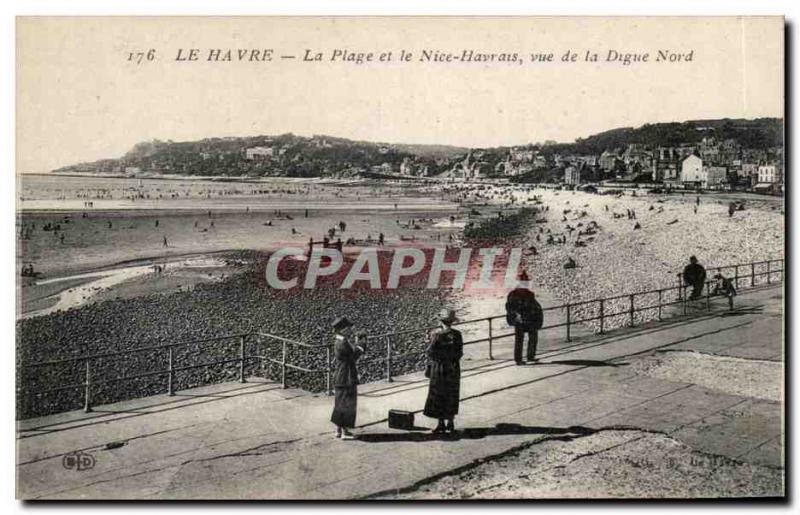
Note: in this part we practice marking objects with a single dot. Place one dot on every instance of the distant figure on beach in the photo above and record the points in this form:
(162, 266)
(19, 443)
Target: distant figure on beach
(524, 314)
(570, 263)
(724, 286)
(156, 222)
(342, 226)
(731, 209)
(305, 214)
(444, 370)
(109, 224)
(165, 241)
(694, 275)
(345, 378)
(381, 238)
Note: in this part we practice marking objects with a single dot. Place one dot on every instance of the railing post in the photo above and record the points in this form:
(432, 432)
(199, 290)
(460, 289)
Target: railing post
(681, 288)
(329, 378)
(569, 336)
(241, 360)
(783, 264)
(708, 296)
(87, 402)
(633, 312)
(736, 276)
(283, 365)
(490, 339)
(388, 359)
(768, 273)
(752, 275)
(660, 303)
(171, 372)
(602, 315)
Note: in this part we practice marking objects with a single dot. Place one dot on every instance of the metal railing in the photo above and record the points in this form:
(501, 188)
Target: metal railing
(619, 311)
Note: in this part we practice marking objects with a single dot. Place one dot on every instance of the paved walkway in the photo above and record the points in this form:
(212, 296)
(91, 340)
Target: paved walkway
(256, 440)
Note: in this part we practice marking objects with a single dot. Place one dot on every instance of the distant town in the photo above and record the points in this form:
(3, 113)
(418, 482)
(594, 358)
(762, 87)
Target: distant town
(742, 155)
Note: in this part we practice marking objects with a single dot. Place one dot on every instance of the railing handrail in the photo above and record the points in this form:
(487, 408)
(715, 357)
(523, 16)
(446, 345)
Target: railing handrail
(101, 355)
(395, 333)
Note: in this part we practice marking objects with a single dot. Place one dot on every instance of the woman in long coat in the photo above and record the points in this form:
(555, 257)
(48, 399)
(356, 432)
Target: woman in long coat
(444, 354)
(345, 379)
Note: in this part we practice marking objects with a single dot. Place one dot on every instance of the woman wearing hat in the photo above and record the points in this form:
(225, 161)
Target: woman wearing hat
(345, 379)
(445, 353)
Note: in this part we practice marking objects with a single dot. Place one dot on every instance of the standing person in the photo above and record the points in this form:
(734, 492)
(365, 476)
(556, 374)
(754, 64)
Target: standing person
(524, 313)
(444, 389)
(165, 241)
(694, 275)
(345, 379)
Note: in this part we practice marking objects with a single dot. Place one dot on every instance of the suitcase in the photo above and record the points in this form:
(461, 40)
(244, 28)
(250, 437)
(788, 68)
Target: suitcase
(399, 419)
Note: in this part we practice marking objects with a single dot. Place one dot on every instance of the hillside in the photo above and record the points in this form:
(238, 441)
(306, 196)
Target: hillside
(289, 155)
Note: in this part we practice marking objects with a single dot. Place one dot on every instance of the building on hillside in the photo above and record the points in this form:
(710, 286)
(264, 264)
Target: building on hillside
(608, 160)
(769, 174)
(254, 153)
(714, 177)
(692, 171)
(666, 164)
(572, 175)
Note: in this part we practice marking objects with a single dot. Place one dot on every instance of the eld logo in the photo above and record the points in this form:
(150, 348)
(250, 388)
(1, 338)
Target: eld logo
(78, 461)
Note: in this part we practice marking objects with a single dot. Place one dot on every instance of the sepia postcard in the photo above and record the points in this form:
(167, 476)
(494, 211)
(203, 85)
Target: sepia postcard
(400, 258)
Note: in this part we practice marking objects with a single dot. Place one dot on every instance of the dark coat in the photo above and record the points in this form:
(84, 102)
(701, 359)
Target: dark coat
(346, 355)
(694, 273)
(523, 310)
(444, 353)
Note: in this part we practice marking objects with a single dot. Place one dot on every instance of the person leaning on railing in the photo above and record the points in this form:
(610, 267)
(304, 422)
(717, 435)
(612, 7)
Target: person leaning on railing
(694, 275)
(724, 286)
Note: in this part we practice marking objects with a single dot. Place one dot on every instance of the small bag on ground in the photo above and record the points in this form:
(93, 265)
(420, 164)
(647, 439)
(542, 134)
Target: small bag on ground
(399, 419)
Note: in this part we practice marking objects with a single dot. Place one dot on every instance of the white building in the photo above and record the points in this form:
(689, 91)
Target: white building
(692, 170)
(572, 175)
(259, 152)
(768, 174)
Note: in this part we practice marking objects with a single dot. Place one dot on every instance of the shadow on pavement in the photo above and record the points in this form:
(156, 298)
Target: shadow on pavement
(579, 363)
(475, 433)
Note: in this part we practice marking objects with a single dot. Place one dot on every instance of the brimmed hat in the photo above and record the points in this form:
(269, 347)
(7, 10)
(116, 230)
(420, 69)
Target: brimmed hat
(341, 323)
(447, 315)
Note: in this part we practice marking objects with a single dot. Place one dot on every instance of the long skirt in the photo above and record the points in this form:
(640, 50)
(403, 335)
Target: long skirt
(444, 390)
(344, 407)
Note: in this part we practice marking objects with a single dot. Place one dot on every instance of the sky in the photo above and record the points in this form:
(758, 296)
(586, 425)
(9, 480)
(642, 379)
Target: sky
(81, 98)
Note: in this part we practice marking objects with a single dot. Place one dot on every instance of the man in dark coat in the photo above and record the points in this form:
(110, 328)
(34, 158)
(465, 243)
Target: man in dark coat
(694, 275)
(524, 313)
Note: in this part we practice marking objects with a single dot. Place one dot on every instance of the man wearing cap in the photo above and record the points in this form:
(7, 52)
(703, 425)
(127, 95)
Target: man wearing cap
(345, 379)
(524, 313)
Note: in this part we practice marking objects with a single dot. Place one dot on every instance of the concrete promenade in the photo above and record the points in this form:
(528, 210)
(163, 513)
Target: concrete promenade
(258, 441)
